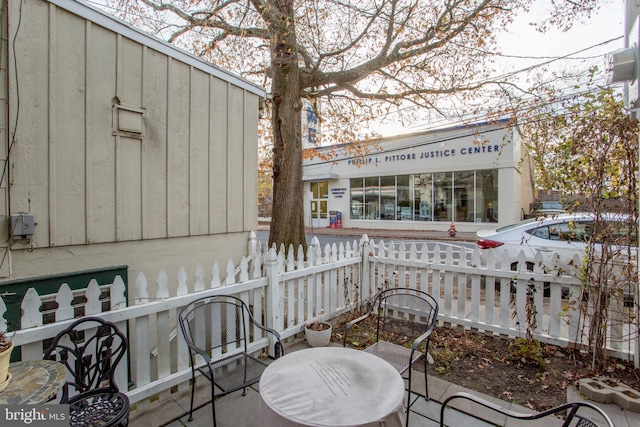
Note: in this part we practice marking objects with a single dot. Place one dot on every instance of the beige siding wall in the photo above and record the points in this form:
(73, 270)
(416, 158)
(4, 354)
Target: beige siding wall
(194, 173)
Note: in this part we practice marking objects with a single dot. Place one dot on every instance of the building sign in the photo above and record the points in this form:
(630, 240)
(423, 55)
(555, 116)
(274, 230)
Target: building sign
(338, 192)
(425, 155)
(310, 124)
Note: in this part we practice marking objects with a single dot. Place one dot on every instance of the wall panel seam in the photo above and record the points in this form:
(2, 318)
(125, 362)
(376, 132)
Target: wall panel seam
(88, 133)
(52, 125)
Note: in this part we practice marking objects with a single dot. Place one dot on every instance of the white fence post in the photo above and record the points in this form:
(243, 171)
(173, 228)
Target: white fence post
(274, 303)
(366, 284)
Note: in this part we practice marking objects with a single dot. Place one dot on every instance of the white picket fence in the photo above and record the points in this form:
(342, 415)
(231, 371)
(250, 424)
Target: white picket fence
(285, 291)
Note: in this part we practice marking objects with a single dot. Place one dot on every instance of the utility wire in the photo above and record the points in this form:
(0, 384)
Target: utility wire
(548, 61)
(425, 140)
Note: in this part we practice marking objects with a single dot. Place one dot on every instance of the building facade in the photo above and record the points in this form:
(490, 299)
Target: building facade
(476, 176)
(119, 148)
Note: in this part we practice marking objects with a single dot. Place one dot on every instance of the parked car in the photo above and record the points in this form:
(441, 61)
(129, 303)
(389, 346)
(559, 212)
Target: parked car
(566, 235)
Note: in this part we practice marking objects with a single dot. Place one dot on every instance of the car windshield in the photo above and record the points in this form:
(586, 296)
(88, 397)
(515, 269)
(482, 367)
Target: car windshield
(550, 205)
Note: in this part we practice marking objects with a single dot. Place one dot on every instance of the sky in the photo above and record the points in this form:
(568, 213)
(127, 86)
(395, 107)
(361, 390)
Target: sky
(522, 40)
(606, 24)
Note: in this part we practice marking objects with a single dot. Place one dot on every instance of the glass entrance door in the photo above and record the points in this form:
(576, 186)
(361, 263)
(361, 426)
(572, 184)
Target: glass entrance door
(319, 198)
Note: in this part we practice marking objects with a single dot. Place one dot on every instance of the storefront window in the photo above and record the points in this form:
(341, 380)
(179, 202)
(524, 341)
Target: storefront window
(388, 197)
(463, 193)
(404, 201)
(372, 198)
(467, 196)
(487, 196)
(442, 191)
(422, 197)
(357, 199)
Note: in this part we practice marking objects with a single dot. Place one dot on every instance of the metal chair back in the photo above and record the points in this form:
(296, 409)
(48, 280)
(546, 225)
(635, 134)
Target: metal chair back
(219, 329)
(596, 416)
(407, 312)
(216, 325)
(91, 349)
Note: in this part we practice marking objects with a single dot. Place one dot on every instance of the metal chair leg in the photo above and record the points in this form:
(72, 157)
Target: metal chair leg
(193, 391)
(213, 403)
(408, 397)
(426, 382)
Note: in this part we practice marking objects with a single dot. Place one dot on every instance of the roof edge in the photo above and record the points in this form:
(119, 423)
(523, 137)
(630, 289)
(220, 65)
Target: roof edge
(104, 19)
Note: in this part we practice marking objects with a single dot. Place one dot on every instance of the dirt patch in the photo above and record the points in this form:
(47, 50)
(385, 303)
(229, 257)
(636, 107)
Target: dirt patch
(532, 375)
(318, 326)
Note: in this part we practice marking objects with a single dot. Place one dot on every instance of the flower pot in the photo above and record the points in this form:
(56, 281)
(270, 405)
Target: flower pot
(318, 334)
(5, 357)
(5, 384)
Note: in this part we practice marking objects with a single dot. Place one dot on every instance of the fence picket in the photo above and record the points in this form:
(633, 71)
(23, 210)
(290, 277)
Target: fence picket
(93, 304)
(3, 310)
(182, 282)
(163, 285)
(198, 284)
(64, 298)
(489, 285)
(31, 315)
(31, 318)
(243, 275)
(230, 278)
(141, 286)
(215, 276)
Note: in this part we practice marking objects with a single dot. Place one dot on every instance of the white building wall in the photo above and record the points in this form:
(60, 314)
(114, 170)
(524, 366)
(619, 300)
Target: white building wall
(471, 148)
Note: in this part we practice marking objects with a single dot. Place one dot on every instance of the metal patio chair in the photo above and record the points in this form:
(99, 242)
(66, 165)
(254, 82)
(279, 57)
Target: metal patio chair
(91, 349)
(408, 312)
(571, 408)
(218, 329)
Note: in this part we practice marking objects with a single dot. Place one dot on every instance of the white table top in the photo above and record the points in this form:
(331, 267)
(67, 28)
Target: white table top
(331, 386)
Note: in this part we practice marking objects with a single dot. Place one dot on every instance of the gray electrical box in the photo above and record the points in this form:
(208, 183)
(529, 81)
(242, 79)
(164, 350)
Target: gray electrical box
(22, 225)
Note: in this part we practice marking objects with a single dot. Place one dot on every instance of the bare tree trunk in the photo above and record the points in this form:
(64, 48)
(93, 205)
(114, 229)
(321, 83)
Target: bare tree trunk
(287, 224)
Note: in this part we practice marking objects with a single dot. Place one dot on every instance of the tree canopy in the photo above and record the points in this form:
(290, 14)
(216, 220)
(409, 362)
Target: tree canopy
(365, 59)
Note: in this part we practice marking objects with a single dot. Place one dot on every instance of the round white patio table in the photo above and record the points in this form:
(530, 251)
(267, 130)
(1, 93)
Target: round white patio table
(331, 386)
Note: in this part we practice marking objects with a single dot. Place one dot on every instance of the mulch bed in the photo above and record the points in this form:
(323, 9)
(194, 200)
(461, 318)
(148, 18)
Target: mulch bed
(531, 375)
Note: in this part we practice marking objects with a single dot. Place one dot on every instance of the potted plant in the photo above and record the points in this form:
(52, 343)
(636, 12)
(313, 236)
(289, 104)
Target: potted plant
(318, 334)
(6, 346)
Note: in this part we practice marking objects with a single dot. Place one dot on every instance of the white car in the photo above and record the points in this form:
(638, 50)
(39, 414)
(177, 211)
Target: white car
(566, 235)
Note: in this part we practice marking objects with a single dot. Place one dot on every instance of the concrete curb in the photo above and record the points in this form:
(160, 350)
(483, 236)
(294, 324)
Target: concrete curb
(605, 390)
(437, 235)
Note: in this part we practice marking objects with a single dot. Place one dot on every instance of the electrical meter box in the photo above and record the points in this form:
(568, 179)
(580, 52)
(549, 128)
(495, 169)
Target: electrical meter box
(22, 225)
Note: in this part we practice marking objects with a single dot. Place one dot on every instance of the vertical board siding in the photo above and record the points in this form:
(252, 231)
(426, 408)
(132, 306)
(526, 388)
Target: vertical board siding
(178, 150)
(100, 156)
(199, 153)
(194, 172)
(219, 147)
(235, 185)
(29, 169)
(129, 188)
(68, 137)
(128, 150)
(250, 161)
(154, 147)
(130, 78)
